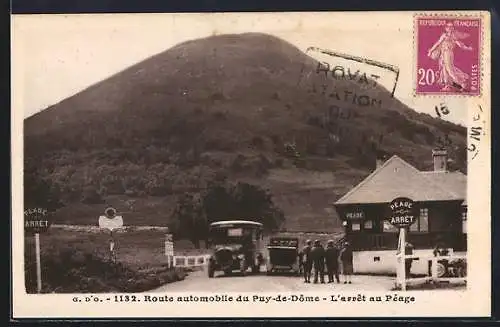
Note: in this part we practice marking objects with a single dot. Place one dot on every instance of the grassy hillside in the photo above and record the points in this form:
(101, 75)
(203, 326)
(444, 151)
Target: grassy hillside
(222, 108)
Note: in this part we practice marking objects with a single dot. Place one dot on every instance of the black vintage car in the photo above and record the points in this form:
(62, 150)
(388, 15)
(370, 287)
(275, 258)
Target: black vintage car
(236, 245)
(283, 255)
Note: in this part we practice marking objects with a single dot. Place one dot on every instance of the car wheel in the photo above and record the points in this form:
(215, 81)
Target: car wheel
(255, 269)
(441, 270)
(211, 271)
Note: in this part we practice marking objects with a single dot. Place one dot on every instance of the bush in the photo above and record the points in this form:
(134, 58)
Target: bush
(73, 270)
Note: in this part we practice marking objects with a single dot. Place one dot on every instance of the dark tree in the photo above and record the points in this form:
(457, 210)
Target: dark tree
(39, 193)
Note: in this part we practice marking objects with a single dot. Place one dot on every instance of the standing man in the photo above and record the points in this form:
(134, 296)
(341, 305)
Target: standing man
(332, 259)
(306, 261)
(346, 261)
(318, 258)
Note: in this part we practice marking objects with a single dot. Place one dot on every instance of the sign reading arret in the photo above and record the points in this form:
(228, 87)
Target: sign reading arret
(36, 220)
(402, 212)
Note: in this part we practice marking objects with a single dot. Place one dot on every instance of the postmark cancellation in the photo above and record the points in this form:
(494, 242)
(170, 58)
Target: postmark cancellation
(448, 51)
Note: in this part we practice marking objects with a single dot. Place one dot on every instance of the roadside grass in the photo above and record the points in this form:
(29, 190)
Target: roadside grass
(79, 261)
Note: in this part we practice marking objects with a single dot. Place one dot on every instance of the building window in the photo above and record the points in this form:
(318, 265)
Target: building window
(423, 220)
(389, 228)
(368, 224)
(355, 226)
(422, 223)
(464, 221)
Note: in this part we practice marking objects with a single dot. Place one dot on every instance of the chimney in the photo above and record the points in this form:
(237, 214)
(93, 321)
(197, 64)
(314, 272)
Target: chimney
(440, 158)
(380, 159)
(379, 162)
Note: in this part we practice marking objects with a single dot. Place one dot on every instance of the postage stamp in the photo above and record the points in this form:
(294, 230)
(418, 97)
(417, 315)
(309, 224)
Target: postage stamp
(448, 60)
(263, 170)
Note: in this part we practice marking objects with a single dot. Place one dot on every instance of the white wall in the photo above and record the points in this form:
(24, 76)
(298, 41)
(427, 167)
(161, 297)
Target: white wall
(365, 262)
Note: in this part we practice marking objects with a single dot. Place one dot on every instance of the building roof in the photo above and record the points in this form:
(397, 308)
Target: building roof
(397, 178)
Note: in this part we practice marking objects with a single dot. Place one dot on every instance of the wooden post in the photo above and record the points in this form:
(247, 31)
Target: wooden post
(402, 234)
(38, 265)
(112, 247)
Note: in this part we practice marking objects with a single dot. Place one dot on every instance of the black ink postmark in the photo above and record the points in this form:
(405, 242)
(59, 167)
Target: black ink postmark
(336, 67)
(441, 110)
(477, 130)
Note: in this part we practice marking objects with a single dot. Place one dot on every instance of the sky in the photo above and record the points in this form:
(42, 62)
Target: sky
(56, 56)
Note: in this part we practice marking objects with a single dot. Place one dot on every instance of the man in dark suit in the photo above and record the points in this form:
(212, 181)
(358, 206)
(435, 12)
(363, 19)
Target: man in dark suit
(332, 262)
(318, 258)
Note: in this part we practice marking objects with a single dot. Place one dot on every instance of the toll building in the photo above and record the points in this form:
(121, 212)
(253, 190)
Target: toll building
(440, 197)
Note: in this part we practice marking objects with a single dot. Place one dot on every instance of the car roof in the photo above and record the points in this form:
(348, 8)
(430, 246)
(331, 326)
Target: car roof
(235, 222)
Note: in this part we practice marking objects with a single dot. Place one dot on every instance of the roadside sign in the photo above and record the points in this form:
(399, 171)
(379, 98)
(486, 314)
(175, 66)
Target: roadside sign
(402, 212)
(169, 249)
(36, 220)
(111, 221)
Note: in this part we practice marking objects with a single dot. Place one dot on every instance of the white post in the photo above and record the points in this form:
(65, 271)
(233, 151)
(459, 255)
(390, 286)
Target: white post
(38, 265)
(402, 233)
(112, 247)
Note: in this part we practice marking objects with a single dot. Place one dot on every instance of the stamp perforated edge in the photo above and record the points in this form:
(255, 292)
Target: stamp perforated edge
(472, 15)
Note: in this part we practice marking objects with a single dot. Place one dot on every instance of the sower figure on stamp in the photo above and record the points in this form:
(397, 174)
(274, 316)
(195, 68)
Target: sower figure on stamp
(346, 262)
(305, 258)
(443, 51)
(331, 258)
(318, 258)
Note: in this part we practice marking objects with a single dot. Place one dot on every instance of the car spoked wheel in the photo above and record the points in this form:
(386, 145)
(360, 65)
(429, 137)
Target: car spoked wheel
(441, 270)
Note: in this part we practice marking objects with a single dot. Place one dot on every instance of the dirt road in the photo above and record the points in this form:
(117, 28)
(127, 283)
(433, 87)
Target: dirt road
(199, 281)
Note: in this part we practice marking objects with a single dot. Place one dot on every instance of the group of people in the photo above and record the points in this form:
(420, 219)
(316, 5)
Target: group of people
(315, 258)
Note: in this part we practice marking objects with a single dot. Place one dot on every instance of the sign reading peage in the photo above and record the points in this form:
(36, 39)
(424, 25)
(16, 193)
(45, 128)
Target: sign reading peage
(36, 220)
(402, 212)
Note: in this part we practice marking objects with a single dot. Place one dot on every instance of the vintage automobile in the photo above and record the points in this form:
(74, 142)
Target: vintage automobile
(236, 245)
(283, 255)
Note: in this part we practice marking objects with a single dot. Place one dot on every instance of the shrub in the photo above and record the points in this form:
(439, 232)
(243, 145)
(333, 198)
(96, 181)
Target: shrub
(70, 270)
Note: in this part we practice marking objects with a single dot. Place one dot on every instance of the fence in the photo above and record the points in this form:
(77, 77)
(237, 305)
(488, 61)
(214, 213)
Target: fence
(190, 261)
(441, 269)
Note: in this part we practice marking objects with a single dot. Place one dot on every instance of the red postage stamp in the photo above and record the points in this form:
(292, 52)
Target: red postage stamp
(448, 55)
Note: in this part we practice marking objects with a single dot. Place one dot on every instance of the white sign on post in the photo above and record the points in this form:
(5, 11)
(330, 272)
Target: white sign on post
(36, 221)
(402, 216)
(169, 249)
(111, 221)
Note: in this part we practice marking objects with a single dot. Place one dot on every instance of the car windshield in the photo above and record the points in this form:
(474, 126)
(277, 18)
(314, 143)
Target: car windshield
(228, 235)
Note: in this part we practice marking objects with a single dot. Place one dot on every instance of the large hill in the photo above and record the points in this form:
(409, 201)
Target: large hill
(224, 107)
